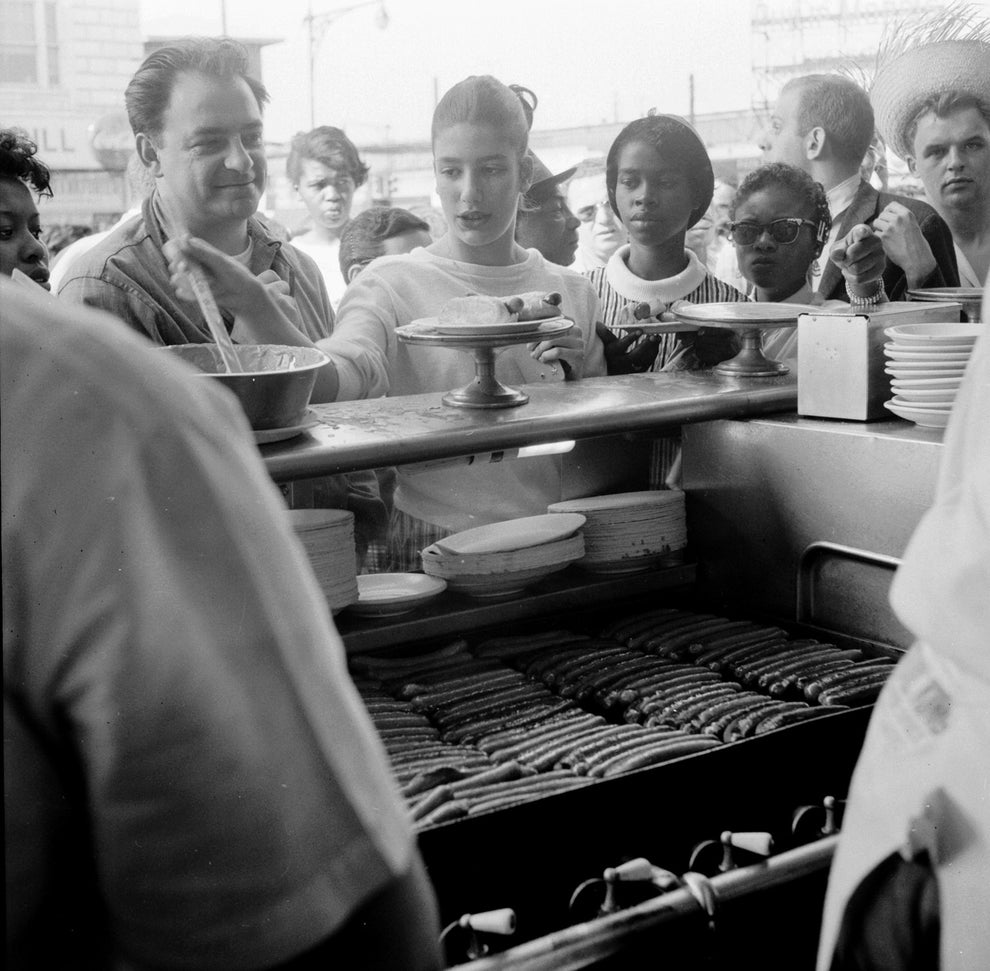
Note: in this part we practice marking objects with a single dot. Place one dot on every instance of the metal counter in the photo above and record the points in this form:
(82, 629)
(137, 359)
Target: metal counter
(805, 518)
(369, 434)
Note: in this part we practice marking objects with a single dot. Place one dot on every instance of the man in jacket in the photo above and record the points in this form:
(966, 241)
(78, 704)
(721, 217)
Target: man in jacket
(196, 115)
(823, 123)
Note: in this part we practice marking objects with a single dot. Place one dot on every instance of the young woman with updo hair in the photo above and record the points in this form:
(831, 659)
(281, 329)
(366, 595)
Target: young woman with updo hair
(480, 139)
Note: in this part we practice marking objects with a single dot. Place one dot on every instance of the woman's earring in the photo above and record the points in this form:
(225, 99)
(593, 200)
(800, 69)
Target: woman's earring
(816, 268)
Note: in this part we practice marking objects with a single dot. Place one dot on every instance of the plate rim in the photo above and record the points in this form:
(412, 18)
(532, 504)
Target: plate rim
(449, 551)
(364, 579)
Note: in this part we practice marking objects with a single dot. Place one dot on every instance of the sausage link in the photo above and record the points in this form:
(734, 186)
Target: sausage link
(784, 718)
(437, 796)
(684, 640)
(725, 660)
(661, 752)
(641, 738)
(713, 720)
(747, 725)
(725, 643)
(454, 809)
(581, 683)
(796, 667)
(544, 757)
(730, 730)
(747, 670)
(671, 625)
(862, 691)
(814, 688)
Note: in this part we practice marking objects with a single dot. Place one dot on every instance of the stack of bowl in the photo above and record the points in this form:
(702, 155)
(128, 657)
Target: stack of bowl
(970, 299)
(502, 559)
(328, 538)
(926, 364)
(630, 531)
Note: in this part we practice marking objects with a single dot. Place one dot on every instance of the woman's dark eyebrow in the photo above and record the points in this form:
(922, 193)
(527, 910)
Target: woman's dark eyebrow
(485, 158)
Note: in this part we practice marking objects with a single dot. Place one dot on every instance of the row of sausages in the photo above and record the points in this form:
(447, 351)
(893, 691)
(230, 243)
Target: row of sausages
(472, 728)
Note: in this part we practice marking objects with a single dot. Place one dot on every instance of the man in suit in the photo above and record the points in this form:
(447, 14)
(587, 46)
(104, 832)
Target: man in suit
(823, 123)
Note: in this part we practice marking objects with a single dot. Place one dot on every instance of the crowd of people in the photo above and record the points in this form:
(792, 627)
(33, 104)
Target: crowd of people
(135, 510)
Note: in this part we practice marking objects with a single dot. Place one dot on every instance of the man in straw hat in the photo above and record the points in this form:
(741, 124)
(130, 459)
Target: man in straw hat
(823, 124)
(931, 97)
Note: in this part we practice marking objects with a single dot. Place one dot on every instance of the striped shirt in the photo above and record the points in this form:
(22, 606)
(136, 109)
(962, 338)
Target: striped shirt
(614, 304)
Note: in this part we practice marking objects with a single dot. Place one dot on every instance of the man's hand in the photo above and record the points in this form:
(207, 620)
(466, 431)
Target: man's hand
(904, 243)
(235, 288)
(860, 256)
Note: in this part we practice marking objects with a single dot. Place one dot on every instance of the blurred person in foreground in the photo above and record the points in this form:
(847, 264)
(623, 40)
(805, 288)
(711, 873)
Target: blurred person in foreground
(600, 233)
(190, 780)
(932, 98)
(21, 173)
(823, 123)
(196, 114)
(907, 889)
(379, 231)
(325, 170)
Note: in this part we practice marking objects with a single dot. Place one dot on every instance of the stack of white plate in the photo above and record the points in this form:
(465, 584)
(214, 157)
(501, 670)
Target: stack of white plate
(504, 558)
(630, 531)
(926, 364)
(328, 537)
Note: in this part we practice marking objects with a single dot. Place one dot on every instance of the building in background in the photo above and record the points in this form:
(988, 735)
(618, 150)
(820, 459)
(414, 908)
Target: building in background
(64, 65)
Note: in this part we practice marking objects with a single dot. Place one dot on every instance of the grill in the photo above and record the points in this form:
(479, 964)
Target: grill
(777, 544)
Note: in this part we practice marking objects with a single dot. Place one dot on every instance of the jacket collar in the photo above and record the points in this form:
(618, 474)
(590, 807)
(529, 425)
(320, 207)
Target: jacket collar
(263, 252)
(861, 210)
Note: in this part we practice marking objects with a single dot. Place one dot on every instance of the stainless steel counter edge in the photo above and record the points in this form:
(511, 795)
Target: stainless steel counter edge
(353, 435)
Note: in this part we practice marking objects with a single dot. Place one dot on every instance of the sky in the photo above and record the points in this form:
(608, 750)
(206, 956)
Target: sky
(587, 62)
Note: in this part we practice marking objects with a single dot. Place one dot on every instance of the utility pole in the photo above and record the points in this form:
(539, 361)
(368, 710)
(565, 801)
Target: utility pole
(317, 25)
(691, 98)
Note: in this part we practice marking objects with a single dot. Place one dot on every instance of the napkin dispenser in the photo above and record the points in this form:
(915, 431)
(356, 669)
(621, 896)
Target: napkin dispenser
(841, 357)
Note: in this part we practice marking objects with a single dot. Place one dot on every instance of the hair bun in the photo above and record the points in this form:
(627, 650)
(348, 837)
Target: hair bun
(528, 99)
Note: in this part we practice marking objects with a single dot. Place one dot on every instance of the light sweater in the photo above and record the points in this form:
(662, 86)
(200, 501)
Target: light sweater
(372, 361)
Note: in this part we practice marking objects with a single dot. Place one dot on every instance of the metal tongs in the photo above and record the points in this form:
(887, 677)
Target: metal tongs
(207, 303)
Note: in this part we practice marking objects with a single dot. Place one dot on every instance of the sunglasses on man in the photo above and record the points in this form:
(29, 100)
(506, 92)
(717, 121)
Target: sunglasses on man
(781, 230)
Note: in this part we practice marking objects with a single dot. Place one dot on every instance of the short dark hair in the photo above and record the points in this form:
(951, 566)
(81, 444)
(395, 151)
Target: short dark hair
(330, 146)
(363, 237)
(943, 105)
(840, 106)
(679, 143)
(18, 160)
(148, 93)
(794, 180)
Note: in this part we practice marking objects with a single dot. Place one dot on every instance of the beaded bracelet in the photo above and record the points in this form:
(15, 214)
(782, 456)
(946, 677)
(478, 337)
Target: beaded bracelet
(878, 296)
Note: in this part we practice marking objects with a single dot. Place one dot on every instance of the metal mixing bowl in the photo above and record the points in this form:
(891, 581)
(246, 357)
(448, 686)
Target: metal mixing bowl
(275, 385)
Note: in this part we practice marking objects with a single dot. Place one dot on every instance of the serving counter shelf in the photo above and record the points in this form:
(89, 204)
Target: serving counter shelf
(452, 614)
(369, 434)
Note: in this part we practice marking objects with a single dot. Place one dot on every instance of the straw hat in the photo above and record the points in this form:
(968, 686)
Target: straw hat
(938, 54)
